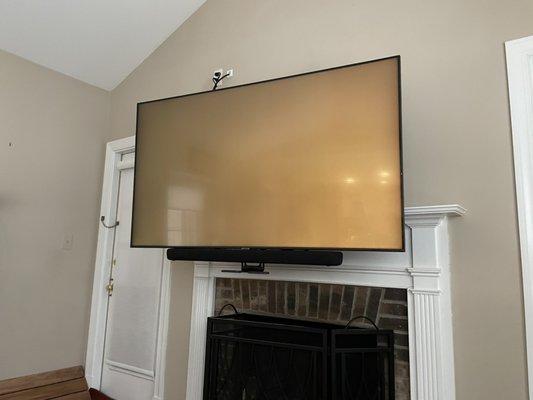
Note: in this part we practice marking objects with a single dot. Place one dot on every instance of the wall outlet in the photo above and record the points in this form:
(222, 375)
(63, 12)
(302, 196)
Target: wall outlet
(68, 240)
(221, 72)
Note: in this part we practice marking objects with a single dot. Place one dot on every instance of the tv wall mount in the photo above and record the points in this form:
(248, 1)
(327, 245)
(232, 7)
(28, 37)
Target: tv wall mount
(250, 268)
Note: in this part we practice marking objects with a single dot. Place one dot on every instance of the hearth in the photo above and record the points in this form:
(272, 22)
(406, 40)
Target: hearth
(258, 357)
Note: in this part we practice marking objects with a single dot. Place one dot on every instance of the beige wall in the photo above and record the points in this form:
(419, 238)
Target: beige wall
(50, 184)
(178, 330)
(457, 144)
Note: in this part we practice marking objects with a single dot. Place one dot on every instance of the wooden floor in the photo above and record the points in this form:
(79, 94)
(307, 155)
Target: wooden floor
(62, 384)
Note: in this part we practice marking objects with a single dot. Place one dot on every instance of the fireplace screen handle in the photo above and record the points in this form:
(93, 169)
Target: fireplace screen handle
(227, 305)
(356, 318)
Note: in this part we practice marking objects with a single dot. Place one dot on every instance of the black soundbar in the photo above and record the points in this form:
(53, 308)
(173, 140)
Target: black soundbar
(262, 256)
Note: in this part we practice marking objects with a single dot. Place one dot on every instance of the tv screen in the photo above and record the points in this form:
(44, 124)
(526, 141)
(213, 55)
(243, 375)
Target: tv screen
(309, 161)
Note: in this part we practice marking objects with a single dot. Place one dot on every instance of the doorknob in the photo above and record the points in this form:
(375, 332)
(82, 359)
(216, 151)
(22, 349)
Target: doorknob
(109, 287)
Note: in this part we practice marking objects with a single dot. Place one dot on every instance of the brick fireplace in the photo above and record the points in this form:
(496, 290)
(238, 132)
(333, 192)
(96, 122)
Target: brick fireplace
(408, 292)
(336, 304)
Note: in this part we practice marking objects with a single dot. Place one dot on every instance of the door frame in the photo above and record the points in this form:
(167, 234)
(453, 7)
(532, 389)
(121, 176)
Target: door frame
(519, 54)
(102, 269)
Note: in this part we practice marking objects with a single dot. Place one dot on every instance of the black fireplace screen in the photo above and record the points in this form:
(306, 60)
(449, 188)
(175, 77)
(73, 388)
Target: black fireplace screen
(253, 357)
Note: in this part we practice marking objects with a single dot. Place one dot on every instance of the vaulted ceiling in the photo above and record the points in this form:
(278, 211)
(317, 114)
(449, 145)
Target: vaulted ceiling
(97, 41)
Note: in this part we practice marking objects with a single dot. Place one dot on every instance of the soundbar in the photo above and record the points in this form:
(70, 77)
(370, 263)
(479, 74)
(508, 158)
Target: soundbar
(260, 256)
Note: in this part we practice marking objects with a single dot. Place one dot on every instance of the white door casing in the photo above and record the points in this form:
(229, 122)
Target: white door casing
(520, 81)
(109, 358)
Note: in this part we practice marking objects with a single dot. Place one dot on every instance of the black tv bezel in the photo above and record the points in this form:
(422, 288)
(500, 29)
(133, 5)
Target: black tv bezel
(400, 134)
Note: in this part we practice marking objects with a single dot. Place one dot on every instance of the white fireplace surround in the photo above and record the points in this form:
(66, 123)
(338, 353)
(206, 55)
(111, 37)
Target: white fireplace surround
(423, 269)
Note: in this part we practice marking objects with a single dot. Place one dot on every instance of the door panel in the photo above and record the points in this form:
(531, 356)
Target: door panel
(133, 310)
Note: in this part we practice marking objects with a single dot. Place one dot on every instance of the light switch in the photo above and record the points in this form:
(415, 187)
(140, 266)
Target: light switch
(67, 242)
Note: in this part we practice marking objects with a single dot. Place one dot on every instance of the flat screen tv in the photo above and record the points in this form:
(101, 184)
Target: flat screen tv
(310, 161)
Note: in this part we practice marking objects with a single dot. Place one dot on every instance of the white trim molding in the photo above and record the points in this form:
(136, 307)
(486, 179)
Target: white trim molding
(114, 164)
(162, 332)
(519, 73)
(130, 370)
(451, 210)
(423, 269)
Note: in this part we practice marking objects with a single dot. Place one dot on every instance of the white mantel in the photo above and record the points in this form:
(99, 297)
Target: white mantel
(423, 269)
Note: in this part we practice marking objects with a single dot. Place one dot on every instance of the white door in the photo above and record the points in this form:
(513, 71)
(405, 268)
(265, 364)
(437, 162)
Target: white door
(129, 359)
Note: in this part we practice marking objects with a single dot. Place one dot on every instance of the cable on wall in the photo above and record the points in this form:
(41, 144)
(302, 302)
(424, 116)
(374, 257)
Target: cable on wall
(218, 77)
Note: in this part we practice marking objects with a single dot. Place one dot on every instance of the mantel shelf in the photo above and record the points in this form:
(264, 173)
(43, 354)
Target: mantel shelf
(451, 210)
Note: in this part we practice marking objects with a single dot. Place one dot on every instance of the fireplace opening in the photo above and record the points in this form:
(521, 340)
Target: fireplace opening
(260, 357)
